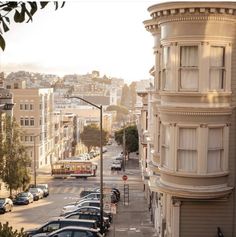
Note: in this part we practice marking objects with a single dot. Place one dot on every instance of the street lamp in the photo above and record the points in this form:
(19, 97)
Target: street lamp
(101, 157)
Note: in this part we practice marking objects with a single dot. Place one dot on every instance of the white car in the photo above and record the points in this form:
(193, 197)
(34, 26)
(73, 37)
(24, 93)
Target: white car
(116, 165)
(72, 207)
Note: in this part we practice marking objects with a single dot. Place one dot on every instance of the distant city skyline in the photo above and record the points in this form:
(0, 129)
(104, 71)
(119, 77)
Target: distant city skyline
(107, 36)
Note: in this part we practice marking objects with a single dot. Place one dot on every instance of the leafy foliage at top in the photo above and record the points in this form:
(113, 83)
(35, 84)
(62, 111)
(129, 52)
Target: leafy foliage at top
(19, 12)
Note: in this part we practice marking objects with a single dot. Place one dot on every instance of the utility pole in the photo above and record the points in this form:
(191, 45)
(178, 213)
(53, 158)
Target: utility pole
(124, 152)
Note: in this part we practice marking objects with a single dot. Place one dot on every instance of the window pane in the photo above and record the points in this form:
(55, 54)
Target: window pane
(189, 79)
(215, 138)
(188, 67)
(189, 56)
(217, 56)
(187, 138)
(187, 160)
(214, 161)
(187, 153)
(216, 79)
(166, 57)
(166, 75)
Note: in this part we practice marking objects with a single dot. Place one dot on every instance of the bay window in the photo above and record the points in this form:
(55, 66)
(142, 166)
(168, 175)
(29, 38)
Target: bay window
(187, 150)
(188, 71)
(166, 71)
(215, 149)
(165, 144)
(217, 68)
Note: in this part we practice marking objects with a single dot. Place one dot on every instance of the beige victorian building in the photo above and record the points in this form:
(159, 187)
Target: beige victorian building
(187, 124)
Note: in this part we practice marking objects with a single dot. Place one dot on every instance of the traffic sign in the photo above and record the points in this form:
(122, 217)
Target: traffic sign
(124, 177)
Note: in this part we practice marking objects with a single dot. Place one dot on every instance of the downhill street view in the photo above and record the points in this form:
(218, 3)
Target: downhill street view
(117, 119)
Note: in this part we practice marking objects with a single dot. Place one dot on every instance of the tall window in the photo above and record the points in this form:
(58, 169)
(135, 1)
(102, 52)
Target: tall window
(188, 68)
(187, 150)
(215, 149)
(217, 68)
(166, 69)
(31, 121)
(165, 144)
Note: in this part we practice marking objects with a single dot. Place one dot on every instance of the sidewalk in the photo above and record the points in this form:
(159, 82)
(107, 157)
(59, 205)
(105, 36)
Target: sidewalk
(132, 220)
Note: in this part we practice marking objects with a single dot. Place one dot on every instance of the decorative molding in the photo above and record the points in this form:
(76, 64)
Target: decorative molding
(203, 125)
(196, 111)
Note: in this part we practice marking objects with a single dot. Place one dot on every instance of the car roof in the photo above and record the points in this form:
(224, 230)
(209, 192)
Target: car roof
(63, 219)
(74, 228)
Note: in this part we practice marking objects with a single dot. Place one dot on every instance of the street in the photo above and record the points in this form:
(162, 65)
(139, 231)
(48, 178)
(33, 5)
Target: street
(63, 191)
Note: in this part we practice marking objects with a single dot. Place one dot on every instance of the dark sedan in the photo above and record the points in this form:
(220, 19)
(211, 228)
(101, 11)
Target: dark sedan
(24, 198)
(6, 205)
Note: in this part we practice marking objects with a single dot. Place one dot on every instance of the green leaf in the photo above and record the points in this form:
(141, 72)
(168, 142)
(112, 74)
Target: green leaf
(2, 43)
(56, 5)
(63, 4)
(34, 7)
(27, 12)
(7, 9)
(17, 16)
(43, 4)
(5, 27)
(7, 19)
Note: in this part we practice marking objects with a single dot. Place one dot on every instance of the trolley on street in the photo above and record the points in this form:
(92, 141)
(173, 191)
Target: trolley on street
(73, 168)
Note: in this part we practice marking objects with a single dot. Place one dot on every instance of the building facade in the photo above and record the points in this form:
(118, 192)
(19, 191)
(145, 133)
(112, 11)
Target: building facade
(33, 111)
(187, 125)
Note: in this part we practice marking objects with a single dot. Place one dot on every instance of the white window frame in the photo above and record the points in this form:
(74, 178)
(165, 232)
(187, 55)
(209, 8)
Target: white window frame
(223, 68)
(165, 148)
(219, 149)
(179, 149)
(186, 68)
(166, 68)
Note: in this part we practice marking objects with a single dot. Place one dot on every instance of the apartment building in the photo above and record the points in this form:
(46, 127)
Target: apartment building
(187, 123)
(33, 110)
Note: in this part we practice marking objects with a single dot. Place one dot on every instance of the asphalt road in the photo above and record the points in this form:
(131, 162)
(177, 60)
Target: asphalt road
(62, 191)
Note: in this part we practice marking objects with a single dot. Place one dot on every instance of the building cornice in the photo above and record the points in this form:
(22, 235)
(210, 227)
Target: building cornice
(190, 11)
(190, 111)
(156, 185)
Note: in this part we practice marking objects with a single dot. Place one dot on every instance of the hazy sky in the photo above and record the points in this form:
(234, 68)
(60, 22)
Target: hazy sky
(85, 35)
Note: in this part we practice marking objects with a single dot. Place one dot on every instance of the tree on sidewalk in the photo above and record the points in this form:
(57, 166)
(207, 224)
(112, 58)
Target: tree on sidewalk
(14, 159)
(90, 137)
(131, 138)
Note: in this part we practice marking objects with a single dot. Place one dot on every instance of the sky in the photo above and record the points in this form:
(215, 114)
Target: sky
(84, 35)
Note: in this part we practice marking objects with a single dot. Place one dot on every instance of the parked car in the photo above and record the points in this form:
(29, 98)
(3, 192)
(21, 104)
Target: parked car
(24, 198)
(45, 189)
(73, 206)
(58, 223)
(95, 196)
(115, 193)
(6, 205)
(92, 209)
(116, 165)
(90, 216)
(37, 193)
(72, 231)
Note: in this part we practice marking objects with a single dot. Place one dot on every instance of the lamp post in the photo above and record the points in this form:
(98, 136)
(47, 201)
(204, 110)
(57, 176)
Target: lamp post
(101, 157)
